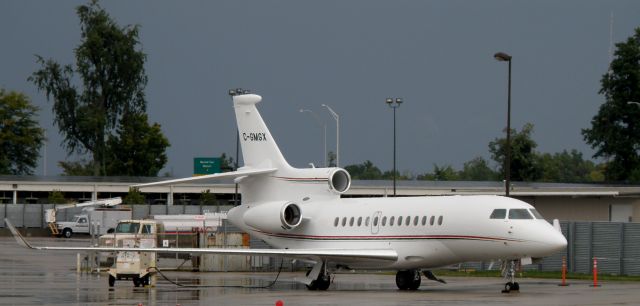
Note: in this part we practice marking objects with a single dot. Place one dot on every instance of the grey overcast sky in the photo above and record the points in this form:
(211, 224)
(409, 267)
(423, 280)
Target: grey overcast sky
(351, 55)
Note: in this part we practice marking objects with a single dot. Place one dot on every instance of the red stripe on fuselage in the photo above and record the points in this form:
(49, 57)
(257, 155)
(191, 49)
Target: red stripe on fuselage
(389, 237)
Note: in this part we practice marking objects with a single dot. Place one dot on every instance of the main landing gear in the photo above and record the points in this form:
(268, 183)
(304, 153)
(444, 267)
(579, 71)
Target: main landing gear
(320, 277)
(509, 272)
(408, 279)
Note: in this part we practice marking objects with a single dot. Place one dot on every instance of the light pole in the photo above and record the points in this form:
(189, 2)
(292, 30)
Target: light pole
(337, 118)
(324, 129)
(390, 103)
(232, 93)
(503, 57)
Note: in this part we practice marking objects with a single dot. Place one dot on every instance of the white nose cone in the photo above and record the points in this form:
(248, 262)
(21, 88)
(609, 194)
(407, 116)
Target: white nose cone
(556, 241)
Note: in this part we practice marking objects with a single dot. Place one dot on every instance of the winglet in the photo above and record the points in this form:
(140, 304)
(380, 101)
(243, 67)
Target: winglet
(21, 241)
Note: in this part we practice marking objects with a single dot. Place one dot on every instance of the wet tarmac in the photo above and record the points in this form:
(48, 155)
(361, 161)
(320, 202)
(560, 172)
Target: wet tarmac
(49, 278)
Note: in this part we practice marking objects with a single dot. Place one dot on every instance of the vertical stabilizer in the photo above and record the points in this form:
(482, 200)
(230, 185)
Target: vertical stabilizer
(259, 149)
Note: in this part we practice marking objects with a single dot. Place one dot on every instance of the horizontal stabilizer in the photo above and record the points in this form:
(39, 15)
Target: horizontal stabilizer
(238, 173)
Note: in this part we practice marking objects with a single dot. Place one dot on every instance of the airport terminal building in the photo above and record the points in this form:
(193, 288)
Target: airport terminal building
(572, 202)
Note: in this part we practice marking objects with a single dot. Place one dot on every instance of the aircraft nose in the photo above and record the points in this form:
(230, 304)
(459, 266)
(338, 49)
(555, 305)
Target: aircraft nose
(556, 241)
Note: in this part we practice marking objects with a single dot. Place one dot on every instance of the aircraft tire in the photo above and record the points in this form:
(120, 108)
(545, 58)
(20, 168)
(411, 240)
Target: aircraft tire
(408, 279)
(508, 287)
(324, 281)
(137, 281)
(516, 286)
(112, 281)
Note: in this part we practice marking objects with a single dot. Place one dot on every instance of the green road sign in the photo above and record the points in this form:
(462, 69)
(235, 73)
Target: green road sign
(206, 165)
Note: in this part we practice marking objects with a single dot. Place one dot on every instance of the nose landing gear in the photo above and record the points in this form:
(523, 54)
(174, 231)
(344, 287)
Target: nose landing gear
(509, 273)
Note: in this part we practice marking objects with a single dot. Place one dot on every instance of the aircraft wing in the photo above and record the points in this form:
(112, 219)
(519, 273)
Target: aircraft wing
(238, 173)
(308, 254)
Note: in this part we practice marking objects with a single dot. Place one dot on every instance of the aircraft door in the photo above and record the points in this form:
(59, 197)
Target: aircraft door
(375, 222)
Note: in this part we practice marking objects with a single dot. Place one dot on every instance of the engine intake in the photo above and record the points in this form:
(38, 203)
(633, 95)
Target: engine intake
(274, 216)
(339, 180)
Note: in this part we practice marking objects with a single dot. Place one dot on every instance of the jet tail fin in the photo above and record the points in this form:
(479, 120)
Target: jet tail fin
(259, 149)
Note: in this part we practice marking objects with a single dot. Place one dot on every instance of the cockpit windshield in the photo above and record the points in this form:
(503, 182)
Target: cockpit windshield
(536, 214)
(519, 213)
(127, 228)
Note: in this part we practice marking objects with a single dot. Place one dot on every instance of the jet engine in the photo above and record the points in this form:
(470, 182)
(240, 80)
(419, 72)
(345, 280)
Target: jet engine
(274, 216)
(339, 180)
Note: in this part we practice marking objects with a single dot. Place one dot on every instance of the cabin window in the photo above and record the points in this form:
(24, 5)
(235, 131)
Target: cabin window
(424, 220)
(375, 221)
(440, 220)
(499, 213)
(399, 220)
(351, 221)
(407, 221)
(391, 220)
(344, 221)
(536, 214)
(433, 220)
(359, 221)
(415, 221)
(384, 220)
(519, 213)
(336, 221)
(366, 222)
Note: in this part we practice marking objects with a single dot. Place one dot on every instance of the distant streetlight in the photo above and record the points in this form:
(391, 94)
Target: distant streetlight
(324, 128)
(503, 57)
(337, 118)
(390, 103)
(233, 93)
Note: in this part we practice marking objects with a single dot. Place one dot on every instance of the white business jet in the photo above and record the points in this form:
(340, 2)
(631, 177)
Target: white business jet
(300, 213)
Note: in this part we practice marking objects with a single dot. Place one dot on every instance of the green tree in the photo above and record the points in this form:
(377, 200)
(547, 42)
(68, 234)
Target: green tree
(523, 156)
(226, 163)
(565, 167)
(111, 69)
(133, 197)
(76, 168)
(331, 156)
(615, 129)
(444, 173)
(208, 198)
(138, 150)
(364, 171)
(477, 169)
(404, 176)
(56, 197)
(20, 135)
